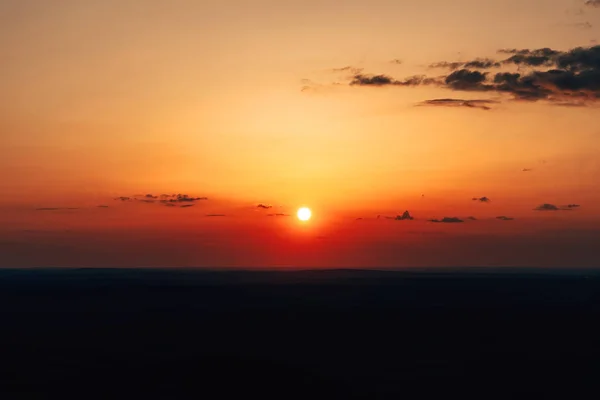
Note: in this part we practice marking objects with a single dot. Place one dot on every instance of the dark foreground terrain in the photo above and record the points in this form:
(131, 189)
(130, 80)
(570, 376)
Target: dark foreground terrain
(299, 335)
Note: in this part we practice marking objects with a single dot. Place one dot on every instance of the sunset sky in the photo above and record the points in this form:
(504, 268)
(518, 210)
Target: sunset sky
(354, 109)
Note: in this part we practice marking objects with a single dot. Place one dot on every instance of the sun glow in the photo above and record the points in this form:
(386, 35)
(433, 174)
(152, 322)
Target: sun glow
(304, 214)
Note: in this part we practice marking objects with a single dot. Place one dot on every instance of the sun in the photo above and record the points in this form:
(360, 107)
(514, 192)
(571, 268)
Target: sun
(304, 214)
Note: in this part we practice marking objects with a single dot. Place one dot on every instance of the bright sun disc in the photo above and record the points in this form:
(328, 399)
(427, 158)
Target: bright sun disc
(304, 214)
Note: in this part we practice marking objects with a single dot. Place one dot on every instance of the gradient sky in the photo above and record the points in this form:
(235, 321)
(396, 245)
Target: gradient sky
(270, 102)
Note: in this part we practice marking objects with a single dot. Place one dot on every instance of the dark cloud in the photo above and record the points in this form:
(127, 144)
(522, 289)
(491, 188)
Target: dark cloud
(215, 215)
(472, 218)
(186, 205)
(397, 61)
(264, 206)
(385, 80)
(102, 206)
(184, 198)
(573, 206)
(164, 199)
(565, 78)
(546, 207)
(447, 220)
(593, 3)
(278, 215)
(479, 63)
(481, 104)
(527, 169)
(404, 217)
(532, 58)
(467, 80)
(481, 199)
(505, 218)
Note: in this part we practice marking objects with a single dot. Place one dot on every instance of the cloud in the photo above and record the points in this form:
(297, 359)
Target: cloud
(573, 206)
(404, 217)
(479, 63)
(447, 220)
(505, 218)
(481, 199)
(481, 104)
(527, 169)
(534, 58)
(186, 205)
(385, 80)
(472, 218)
(593, 3)
(215, 215)
(467, 80)
(278, 215)
(353, 70)
(582, 25)
(311, 86)
(123, 198)
(546, 207)
(102, 206)
(397, 61)
(56, 208)
(565, 78)
(264, 206)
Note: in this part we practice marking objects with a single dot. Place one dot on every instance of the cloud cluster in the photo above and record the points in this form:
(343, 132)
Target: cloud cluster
(563, 77)
(169, 200)
(593, 3)
(481, 199)
(552, 207)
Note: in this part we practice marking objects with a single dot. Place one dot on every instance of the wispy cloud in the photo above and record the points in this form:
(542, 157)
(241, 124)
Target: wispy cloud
(447, 220)
(481, 104)
(479, 63)
(547, 207)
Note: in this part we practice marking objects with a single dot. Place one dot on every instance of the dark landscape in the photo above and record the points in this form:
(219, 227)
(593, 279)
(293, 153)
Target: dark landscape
(177, 333)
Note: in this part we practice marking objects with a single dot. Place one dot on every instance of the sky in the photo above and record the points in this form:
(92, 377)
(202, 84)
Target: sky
(356, 111)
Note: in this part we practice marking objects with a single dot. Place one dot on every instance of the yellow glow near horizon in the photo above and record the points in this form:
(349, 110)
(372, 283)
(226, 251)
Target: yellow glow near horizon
(304, 214)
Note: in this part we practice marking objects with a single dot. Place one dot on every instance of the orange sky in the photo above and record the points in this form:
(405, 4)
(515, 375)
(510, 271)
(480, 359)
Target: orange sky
(240, 101)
